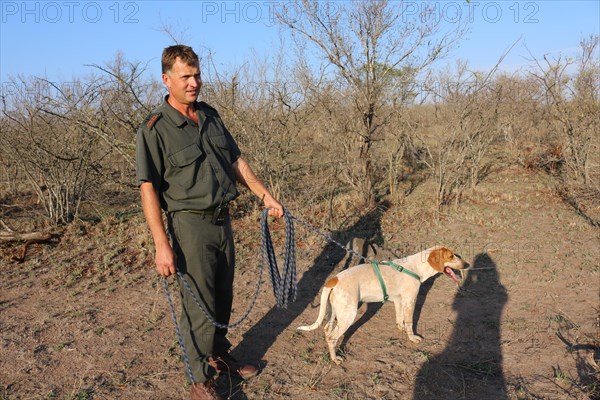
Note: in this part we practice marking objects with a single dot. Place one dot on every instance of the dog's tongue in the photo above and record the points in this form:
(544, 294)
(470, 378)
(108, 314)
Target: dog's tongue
(448, 271)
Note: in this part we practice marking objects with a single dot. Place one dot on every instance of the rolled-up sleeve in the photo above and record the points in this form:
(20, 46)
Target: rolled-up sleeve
(149, 159)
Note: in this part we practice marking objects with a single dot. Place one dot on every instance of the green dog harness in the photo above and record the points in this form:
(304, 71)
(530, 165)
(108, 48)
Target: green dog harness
(398, 268)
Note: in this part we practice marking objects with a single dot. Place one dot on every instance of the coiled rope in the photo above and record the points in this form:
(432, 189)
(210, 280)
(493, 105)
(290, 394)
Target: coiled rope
(284, 283)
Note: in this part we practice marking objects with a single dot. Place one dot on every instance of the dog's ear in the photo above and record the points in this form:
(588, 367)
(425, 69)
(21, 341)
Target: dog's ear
(447, 255)
(437, 258)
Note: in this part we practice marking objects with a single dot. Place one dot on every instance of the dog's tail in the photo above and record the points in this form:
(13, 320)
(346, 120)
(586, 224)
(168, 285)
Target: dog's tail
(322, 309)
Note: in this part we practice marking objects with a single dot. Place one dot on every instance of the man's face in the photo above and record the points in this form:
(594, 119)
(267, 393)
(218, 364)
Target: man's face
(183, 82)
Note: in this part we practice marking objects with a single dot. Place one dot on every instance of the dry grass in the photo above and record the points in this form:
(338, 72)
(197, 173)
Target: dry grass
(85, 317)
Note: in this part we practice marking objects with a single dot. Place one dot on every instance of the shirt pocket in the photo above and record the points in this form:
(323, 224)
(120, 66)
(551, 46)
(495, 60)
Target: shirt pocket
(216, 134)
(187, 165)
(218, 139)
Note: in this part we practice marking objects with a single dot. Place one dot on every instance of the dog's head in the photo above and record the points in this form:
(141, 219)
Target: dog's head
(444, 260)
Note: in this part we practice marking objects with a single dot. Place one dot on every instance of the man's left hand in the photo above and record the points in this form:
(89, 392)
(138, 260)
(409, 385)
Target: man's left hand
(275, 207)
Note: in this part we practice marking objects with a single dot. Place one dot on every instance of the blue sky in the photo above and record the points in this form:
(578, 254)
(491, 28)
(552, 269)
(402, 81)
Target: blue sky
(55, 39)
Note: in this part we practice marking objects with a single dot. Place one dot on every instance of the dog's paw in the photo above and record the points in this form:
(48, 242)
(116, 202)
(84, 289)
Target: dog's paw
(336, 358)
(415, 338)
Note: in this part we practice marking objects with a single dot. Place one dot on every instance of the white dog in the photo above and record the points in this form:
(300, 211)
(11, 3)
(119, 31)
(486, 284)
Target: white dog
(398, 280)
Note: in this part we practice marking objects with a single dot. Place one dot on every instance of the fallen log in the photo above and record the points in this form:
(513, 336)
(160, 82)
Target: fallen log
(6, 236)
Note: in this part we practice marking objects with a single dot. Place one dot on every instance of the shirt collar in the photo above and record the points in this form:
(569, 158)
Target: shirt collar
(175, 116)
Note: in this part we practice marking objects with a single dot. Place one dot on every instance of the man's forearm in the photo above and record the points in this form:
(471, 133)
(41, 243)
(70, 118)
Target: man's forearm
(153, 214)
(165, 259)
(246, 177)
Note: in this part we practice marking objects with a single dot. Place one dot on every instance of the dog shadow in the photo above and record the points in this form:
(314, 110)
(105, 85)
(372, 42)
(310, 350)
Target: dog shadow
(423, 291)
(259, 338)
(470, 367)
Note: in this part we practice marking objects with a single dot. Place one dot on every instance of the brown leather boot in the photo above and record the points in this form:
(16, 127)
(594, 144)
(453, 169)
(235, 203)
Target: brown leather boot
(227, 364)
(204, 391)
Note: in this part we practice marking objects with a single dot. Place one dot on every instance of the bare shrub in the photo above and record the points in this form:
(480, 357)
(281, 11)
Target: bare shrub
(69, 138)
(522, 121)
(572, 102)
(404, 155)
(56, 157)
(467, 114)
(123, 98)
(376, 52)
(10, 175)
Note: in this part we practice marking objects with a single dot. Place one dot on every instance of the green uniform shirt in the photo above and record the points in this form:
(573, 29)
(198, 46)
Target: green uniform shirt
(189, 165)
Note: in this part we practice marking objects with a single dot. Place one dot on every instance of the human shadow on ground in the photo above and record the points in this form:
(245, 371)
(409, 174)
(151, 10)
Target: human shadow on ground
(258, 339)
(470, 367)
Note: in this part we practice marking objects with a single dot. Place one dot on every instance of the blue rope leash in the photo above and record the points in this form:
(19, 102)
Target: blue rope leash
(284, 284)
(328, 238)
(284, 287)
(179, 337)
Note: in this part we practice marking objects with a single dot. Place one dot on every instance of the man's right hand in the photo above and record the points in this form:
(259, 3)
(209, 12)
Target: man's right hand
(165, 260)
(164, 257)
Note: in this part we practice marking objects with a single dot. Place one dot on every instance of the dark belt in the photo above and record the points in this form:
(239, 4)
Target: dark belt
(218, 214)
(208, 211)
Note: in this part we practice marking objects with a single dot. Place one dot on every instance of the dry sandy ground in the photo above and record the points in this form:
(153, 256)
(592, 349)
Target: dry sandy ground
(85, 317)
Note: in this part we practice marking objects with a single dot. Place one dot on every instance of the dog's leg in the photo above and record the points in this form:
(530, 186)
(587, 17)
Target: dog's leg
(344, 320)
(399, 313)
(330, 322)
(406, 317)
(331, 338)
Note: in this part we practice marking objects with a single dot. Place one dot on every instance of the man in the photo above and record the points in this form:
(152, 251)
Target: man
(188, 165)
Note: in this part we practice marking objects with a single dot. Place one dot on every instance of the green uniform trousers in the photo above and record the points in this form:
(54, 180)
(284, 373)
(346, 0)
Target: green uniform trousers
(205, 257)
